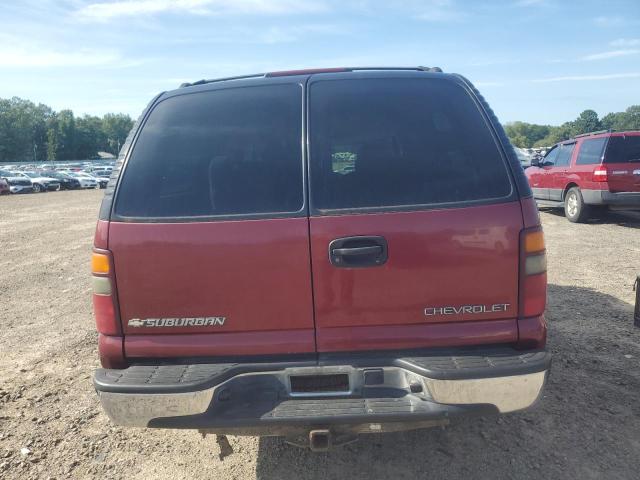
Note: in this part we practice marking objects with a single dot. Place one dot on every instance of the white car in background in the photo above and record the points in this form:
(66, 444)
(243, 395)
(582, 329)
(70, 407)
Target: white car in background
(17, 183)
(39, 182)
(86, 180)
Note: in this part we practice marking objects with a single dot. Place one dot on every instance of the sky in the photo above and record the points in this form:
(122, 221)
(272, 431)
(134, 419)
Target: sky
(539, 61)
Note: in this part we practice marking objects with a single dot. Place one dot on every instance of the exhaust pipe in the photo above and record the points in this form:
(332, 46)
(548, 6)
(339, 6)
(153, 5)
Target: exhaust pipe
(319, 440)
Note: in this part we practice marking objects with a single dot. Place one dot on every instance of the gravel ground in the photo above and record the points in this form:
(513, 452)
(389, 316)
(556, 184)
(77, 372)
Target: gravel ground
(51, 425)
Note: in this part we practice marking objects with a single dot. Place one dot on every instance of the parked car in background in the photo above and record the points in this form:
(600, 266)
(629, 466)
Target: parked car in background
(102, 180)
(42, 183)
(101, 171)
(590, 173)
(67, 182)
(17, 183)
(102, 176)
(385, 271)
(86, 181)
(4, 187)
(524, 157)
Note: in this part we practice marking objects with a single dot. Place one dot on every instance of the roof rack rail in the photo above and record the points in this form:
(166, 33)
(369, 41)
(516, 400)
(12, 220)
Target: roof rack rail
(307, 72)
(610, 130)
(214, 80)
(419, 69)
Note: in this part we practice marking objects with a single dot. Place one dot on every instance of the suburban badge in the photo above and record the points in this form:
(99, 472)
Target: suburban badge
(177, 322)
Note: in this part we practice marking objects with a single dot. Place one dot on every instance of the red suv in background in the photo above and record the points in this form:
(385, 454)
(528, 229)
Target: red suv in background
(318, 254)
(592, 171)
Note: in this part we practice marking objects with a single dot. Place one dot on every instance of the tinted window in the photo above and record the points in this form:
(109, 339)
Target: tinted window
(623, 149)
(564, 154)
(392, 142)
(590, 152)
(231, 151)
(551, 156)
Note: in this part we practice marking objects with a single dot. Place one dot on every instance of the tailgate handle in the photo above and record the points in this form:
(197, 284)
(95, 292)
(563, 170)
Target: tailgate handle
(376, 249)
(358, 252)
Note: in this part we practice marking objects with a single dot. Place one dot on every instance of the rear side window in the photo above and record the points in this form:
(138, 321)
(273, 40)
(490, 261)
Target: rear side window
(400, 142)
(223, 152)
(590, 152)
(623, 149)
(564, 154)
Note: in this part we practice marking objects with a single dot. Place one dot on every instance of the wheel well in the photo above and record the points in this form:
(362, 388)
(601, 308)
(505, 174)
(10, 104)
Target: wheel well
(567, 188)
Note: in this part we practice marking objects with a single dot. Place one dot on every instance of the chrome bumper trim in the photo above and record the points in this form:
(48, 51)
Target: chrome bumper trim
(507, 394)
(138, 409)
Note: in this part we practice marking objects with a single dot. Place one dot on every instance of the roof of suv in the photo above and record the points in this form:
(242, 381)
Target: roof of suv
(311, 71)
(607, 133)
(301, 77)
(600, 134)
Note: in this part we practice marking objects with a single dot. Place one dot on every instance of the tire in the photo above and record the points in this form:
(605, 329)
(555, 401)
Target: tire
(575, 209)
(37, 188)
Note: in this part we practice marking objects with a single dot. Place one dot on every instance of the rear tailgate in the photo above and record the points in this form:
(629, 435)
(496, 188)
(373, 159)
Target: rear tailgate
(209, 230)
(622, 159)
(451, 278)
(414, 222)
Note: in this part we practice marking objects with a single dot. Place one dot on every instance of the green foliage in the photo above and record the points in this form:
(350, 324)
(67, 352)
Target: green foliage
(526, 135)
(627, 120)
(23, 131)
(116, 127)
(30, 132)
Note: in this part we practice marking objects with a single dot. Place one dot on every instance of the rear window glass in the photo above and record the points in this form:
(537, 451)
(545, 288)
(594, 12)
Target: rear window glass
(395, 142)
(623, 149)
(590, 152)
(223, 152)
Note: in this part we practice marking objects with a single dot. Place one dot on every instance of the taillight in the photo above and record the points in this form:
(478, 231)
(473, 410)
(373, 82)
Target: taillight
(533, 276)
(600, 174)
(105, 309)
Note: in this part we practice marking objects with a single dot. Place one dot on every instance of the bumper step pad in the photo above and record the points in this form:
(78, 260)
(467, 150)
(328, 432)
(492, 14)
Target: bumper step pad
(443, 365)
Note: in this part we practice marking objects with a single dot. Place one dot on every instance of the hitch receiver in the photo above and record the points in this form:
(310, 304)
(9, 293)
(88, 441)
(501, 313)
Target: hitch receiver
(319, 440)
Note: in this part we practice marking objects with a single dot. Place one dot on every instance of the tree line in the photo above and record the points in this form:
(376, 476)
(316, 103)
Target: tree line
(527, 135)
(34, 133)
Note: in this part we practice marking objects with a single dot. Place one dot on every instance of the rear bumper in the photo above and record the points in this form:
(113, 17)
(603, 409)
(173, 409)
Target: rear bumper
(630, 200)
(412, 390)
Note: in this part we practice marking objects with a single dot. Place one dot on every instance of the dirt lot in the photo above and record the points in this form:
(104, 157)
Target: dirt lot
(51, 425)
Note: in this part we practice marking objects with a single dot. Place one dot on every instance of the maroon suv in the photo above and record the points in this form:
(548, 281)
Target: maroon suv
(318, 254)
(594, 171)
